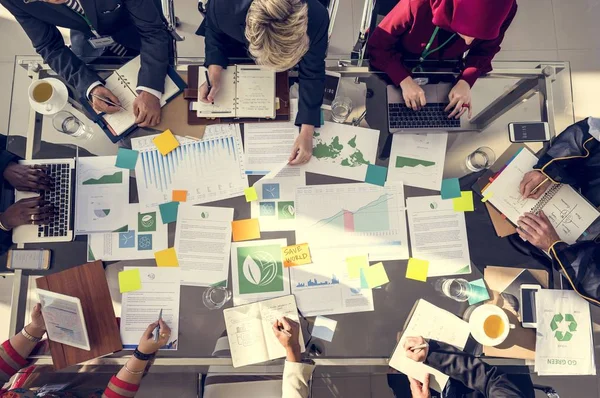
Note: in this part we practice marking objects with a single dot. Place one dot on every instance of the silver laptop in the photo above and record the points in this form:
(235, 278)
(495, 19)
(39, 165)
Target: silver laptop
(60, 196)
(432, 116)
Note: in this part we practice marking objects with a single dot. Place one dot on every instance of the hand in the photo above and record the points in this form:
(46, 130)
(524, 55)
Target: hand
(27, 211)
(418, 389)
(459, 95)
(146, 109)
(303, 147)
(418, 355)
(288, 340)
(27, 178)
(531, 180)
(413, 94)
(537, 230)
(214, 75)
(147, 344)
(37, 327)
(101, 106)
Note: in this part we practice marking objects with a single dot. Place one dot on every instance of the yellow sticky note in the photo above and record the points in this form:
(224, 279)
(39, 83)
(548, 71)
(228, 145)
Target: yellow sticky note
(251, 194)
(166, 258)
(375, 275)
(465, 202)
(245, 229)
(487, 197)
(417, 269)
(165, 142)
(130, 280)
(179, 195)
(354, 264)
(296, 255)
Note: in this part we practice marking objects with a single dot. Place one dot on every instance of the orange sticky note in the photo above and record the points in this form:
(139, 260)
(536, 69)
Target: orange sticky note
(179, 195)
(166, 258)
(165, 142)
(245, 229)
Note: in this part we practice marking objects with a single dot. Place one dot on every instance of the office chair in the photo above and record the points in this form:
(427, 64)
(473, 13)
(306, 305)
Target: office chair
(372, 11)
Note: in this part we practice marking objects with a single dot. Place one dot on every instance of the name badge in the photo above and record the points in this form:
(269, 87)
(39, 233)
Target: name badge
(101, 42)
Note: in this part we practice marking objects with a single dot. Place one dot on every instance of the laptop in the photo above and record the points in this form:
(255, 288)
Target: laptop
(61, 196)
(402, 119)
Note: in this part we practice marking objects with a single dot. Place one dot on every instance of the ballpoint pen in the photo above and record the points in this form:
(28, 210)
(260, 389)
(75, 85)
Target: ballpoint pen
(157, 328)
(208, 83)
(109, 102)
(418, 348)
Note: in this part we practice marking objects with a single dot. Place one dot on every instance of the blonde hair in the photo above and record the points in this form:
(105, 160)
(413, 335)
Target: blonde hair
(276, 31)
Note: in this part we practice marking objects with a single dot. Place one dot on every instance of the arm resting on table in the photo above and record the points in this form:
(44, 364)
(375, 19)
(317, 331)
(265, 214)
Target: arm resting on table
(296, 376)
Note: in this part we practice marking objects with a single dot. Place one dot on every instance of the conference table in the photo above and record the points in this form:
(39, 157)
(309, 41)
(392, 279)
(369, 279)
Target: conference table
(363, 342)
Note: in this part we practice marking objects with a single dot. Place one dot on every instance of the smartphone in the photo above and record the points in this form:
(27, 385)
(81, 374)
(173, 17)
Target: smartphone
(527, 305)
(529, 132)
(31, 259)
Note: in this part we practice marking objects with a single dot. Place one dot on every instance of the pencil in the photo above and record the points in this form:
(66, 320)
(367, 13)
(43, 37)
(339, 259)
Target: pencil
(534, 190)
(208, 83)
(419, 347)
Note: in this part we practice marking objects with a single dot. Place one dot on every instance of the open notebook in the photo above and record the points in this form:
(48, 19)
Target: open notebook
(569, 212)
(246, 91)
(250, 330)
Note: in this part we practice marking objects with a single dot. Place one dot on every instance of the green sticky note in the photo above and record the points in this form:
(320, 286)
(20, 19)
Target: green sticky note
(363, 281)
(251, 194)
(354, 264)
(450, 188)
(478, 292)
(130, 280)
(168, 212)
(126, 158)
(417, 269)
(465, 202)
(375, 275)
(376, 175)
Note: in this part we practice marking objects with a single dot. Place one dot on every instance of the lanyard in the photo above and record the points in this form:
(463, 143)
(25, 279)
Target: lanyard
(427, 52)
(87, 21)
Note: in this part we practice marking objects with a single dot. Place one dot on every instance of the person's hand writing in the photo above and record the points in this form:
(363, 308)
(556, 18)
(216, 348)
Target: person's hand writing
(27, 211)
(459, 95)
(214, 75)
(37, 327)
(101, 106)
(147, 345)
(288, 332)
(537, 230)
(418, 354)
(303, 147)
(146, 109)
(27, 178)
(413, 94)
(418, 389)
(531, 180)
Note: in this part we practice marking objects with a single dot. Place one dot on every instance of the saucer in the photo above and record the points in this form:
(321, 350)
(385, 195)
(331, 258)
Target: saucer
(58, 103)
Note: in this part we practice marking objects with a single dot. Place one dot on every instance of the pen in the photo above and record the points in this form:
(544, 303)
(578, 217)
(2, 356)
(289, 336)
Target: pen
(109, 102)
(288, 334)
(534, 190)
(208, 83)
(418, 347)
(157, 328)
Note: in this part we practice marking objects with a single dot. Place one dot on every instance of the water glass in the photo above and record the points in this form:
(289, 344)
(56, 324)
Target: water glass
(69, 124)
(482, 158)
(341, 107)
(457, 289)
(216, 297)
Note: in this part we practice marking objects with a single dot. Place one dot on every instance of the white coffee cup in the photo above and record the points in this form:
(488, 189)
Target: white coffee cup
(42, 92)
(494, 316)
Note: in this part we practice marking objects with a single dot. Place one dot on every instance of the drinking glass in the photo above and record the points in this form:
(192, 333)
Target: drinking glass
(216, 297)
(341, 107)
(457, 289)
(69, 124)
(482, 158)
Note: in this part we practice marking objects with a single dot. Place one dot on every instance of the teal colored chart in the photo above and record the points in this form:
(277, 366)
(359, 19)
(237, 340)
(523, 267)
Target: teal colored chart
(372, 217)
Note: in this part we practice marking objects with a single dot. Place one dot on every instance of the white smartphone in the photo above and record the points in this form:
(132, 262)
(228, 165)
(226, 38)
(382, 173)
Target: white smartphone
(31, 259)
(527, 305)
(529, 132)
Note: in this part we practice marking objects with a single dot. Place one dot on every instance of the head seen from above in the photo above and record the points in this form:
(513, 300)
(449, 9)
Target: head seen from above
(276, 31)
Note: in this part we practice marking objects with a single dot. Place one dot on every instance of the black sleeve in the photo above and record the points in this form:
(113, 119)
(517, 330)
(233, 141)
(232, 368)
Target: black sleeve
(5, 158)
(473, 372)
(215, 41)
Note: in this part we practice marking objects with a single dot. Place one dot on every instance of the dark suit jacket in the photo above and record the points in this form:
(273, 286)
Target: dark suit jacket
(109, 17)
(225, 25)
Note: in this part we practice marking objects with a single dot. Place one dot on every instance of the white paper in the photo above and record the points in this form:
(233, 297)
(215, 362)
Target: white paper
(64, 319)
(438, 234)
(145, 235)
(324, 328)
(418, 159)
(267, 145)
(101, 195)
(160, 291)
(361, 218)
(224, 104)
(343, 151)
(430, 322)
(203, 244)
(257, 271)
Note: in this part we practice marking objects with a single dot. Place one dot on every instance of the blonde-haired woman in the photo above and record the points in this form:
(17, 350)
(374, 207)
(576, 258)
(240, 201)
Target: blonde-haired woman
(276, 33)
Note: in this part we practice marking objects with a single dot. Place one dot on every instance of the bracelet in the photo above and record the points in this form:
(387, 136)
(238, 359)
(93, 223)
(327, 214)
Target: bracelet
(132, 372)
(2, 227)
(29, 337)
(141, 356)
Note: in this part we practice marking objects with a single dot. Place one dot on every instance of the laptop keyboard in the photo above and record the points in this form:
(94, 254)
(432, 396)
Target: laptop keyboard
(430, 116)
(60, 198)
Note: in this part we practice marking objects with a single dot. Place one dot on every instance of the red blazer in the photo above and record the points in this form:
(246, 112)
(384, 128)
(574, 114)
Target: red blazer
(405, 32)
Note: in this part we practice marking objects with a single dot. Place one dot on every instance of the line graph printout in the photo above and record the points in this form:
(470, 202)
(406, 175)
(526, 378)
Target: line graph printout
(418, 159)
(360, 218)
(209, 169)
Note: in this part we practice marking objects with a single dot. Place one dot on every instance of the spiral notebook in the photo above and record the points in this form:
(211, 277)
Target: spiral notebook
(569, 212)
(246, 91)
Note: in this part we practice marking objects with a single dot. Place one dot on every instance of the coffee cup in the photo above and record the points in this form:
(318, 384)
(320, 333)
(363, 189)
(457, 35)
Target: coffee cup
(489, 325)
(42, 92)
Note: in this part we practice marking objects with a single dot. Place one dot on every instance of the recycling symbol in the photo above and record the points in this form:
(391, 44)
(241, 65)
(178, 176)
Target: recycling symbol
(571, 324)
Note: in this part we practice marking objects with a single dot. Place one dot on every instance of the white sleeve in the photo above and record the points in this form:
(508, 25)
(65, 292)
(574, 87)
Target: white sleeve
(296, 376)
(152, 91)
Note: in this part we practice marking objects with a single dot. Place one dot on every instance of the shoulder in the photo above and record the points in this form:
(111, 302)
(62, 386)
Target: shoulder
(318, 18)
(236, 9)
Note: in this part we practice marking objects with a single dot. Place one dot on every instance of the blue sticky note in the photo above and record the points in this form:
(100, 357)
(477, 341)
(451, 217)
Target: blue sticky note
(478, 292)
(168, 212)
(126, 158)
(363, 280)
(376, 175)
(450, 188)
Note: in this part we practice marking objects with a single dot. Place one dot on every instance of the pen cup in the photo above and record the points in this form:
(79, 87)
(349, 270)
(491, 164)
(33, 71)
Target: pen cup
(215, 297)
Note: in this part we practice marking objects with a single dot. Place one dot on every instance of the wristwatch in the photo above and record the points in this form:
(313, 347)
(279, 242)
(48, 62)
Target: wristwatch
(29, 337)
